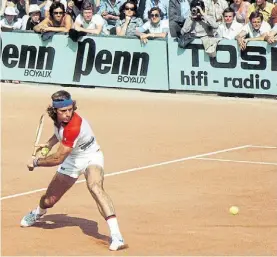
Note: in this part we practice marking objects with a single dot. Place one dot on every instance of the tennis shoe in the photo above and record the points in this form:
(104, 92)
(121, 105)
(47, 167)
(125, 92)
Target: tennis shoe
(31, 218)
(117, 243)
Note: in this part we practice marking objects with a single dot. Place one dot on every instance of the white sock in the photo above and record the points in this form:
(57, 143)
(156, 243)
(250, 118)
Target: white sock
(113, 225)
(40, 210)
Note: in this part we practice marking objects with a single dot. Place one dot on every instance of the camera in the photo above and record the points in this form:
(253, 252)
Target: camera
(193, 7)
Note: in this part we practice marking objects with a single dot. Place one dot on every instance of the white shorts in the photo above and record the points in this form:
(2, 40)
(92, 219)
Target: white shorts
(74, 167)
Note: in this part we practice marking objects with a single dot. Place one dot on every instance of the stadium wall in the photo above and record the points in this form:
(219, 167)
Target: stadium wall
(121, 62)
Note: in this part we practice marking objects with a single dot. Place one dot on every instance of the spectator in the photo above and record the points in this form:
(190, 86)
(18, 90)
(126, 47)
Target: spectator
(229, 29)
(10, 20)
(21, 6)
(129, 22)
(255, 30)
(215, 8)
(162, 4)
(200, 25)
(274, 16)
(141, 8)
(179, 11)
(33, 19)
(74, 7)
(110, 11)
(58, 21)
(262, 6)
(89, 22)
(157, 28)
(50, 2)
(241, 10)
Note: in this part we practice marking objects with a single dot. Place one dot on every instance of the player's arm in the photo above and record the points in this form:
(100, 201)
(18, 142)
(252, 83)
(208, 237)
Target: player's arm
(52, 141)
(54, 159)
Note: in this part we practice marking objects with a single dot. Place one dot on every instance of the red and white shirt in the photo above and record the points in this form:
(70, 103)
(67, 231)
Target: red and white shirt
(78, 135)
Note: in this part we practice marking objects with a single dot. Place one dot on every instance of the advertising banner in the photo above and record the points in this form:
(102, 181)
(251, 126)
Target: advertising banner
(93, 61)
(252, 71)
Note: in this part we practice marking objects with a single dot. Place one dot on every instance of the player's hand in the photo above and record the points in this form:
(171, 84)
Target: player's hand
(30, 164)
(42, 150)
(40, 146)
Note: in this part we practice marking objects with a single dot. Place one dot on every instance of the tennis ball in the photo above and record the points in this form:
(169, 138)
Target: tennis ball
(44, 151)
(234, 210)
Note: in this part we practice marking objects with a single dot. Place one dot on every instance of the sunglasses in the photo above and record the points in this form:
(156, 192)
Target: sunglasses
(155, 15)
(58, 13)
(131, 9)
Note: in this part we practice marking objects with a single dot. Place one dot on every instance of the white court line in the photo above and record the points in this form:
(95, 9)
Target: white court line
(225, 160)
(263, 146)
(136, 169)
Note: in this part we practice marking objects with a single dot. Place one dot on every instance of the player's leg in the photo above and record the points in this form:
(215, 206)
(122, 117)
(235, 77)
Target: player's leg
(59, 185)
(95, 178)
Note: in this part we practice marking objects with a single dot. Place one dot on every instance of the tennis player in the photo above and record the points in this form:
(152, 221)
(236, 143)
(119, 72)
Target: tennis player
(78, 153)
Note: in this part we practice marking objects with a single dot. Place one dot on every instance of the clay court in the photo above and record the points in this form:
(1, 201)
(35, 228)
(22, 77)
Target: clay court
(174, 163)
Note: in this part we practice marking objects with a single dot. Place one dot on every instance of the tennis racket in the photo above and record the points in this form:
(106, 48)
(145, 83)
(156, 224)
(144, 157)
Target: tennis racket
(38, 134)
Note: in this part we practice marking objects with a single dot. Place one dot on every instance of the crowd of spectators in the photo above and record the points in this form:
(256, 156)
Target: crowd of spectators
(146, 19)
(209, 20)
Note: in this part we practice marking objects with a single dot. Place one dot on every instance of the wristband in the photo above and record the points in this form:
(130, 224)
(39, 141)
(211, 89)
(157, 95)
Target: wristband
(35, 162)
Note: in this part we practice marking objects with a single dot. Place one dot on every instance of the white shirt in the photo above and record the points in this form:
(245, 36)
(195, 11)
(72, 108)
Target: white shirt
(95, 20)
(78, 135)
(231, 32)
(14, 25)
(163, 26)
(216, 9)
(265, 27)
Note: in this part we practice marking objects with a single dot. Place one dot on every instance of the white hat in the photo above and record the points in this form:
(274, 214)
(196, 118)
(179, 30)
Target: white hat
(10, 11)
(34, 8)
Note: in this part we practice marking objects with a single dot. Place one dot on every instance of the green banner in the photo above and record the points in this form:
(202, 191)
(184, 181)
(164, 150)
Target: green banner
(94, 61)
(253, 71)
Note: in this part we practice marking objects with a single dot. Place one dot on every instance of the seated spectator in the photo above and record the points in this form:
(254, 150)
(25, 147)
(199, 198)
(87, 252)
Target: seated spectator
(162, 4)
(229, 29)
(33, 19)
(262, 6)
(179, 11)
(255, 30)
(274, 16)
(50, 2)
(241, 10)
(271, 37)
(156, 27)
(89, 22)
(74, 7)
(58, 21)
(128, 22)
(110, 11)
(215, 8)
(200, 25)
(10, 20)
